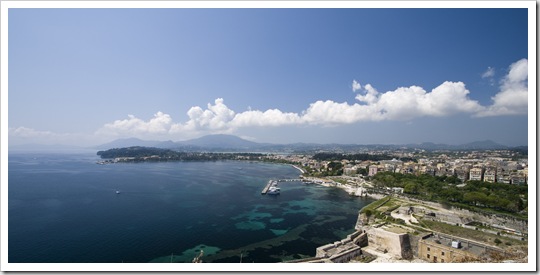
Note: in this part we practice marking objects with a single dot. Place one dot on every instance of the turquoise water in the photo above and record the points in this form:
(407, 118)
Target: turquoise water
(63, 208)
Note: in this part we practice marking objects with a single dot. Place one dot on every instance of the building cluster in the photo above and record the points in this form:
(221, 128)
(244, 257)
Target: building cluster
(489, 165)
(487, 168)
(399, 244)
(443, 248)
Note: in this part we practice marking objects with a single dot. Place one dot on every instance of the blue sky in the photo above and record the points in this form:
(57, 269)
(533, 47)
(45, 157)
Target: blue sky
(366, 76)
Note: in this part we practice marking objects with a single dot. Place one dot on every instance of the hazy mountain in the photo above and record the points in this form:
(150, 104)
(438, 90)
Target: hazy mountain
(432, 146)
(483, 145)
(202, 143)
(234, 143)
(166, 144)
(221, 141)
(476, 145)
(128, 142)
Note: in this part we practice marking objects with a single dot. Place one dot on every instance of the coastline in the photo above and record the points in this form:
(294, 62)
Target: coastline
(298, 168)
(352, 190)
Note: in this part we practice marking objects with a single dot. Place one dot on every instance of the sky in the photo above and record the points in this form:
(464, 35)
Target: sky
(356, 76)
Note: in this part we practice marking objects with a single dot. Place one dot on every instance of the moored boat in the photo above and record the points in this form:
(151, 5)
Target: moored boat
(273, 190)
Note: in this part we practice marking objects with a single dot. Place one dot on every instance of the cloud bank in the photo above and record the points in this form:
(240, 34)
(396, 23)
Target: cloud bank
(25, 135)
(160, 124)
(401, 104)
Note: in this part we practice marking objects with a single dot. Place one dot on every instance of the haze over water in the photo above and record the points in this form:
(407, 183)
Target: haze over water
(63, 208)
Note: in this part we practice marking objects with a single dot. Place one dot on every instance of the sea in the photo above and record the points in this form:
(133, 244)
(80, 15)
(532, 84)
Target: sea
(64, 208)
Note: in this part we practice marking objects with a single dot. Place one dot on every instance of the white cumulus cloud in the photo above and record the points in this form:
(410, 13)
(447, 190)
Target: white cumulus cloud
(271, 117)
(403, 103)
(369, 96)
(513, 97)
(331, 113)
(215, 117)
(159, 124)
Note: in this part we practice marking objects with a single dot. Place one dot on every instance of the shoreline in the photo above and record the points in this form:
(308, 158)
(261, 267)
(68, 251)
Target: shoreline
(352, 190)
(298, 168)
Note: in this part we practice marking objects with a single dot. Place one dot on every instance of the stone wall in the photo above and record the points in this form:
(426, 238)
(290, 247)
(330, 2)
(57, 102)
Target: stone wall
(463, 216)
(346, 256)
(343, 250)
(362, 240)
(414, 244)
(395, 244)
(495, 220)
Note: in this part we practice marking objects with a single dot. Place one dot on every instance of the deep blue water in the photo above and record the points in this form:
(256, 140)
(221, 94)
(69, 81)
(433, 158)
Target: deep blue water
(63, 208)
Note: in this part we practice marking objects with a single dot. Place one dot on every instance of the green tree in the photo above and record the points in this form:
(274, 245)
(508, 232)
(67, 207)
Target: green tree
(475, 198)
(410, 188)
(362, 171)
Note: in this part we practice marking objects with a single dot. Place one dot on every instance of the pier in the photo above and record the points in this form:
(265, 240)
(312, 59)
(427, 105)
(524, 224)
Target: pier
(265, 189)
(270, 182)
(288, 180)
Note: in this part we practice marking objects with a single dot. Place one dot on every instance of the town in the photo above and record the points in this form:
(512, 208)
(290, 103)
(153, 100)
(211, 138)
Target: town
(502, 166)
(472, 209)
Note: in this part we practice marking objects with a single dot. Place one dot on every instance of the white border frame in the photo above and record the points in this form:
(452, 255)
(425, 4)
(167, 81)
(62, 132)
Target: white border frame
(4, 12)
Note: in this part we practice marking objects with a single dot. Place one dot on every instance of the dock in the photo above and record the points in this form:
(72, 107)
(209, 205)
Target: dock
(270, 182)
(265, 189)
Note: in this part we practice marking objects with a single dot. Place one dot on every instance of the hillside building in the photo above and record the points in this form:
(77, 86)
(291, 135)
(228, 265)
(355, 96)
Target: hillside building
(476, 173)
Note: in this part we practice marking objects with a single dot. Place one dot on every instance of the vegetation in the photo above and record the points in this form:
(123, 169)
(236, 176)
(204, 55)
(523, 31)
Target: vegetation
(472, 234)
(362, 171)
(372, 207)
(365, 258)
(334, 168)
(475, 195)
(274, 160)
(352, 157)
(138, 154)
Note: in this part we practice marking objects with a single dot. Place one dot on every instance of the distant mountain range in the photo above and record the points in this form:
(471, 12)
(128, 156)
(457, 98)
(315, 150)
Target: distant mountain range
(205, 142)
(476, 145)
(235, 144)
(230, 143)
(128, 142)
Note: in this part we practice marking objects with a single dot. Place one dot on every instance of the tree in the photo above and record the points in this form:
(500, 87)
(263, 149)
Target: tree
(475, 198)
(410, 188)
(362, 171)
(335, 168)
(451, 194)
(368, 212)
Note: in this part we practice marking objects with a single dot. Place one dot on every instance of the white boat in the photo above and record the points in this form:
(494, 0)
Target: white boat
(117, 192)
(273, 190)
